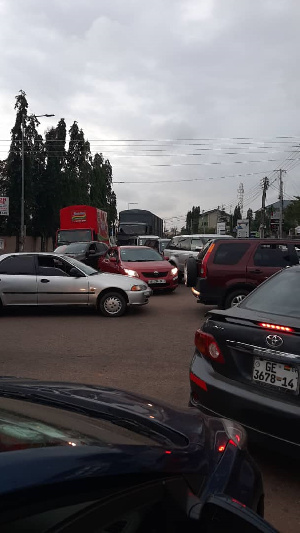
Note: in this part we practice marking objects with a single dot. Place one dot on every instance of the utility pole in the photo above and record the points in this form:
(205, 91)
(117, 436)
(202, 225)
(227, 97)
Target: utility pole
(263, 208)
(281, 171)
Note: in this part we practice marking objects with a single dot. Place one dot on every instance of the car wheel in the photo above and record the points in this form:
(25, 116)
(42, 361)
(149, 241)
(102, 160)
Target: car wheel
(235, 297)
(112, 304)
(190, 272)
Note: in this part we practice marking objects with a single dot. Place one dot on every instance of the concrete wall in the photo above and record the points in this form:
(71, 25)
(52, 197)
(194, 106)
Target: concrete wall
(32, 244)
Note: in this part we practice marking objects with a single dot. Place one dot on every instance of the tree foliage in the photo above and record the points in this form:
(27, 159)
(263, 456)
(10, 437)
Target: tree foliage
(57, 173)
(292, 213)
(192, 220)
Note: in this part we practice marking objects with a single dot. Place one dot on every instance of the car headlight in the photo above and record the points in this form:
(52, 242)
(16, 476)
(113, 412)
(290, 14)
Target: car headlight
(131, 273)
(174, 271)
(138, 287)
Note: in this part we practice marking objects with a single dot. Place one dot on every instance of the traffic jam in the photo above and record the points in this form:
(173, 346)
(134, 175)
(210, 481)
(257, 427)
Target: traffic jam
(244, 372)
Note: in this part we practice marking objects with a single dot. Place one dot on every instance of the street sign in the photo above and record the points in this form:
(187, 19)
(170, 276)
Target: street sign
(221, 228)
(242, 228)
(4, 206)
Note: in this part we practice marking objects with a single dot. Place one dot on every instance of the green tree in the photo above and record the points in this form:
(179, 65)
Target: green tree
(292, 213)
(50, 187)
(236, 216)
(192, 220)
(78, 167)
(54, 177)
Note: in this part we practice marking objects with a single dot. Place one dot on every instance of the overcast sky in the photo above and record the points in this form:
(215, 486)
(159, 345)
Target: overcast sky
(141, 76)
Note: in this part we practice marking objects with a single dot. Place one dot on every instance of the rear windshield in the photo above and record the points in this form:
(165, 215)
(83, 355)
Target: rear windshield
(280, 295)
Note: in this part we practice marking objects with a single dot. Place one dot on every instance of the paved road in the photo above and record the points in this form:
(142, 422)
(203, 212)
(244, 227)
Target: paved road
(147, 351)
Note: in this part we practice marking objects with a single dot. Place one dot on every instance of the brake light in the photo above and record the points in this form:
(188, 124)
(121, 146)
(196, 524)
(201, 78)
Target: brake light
(274, 327)
(203, 270)
(207, 346)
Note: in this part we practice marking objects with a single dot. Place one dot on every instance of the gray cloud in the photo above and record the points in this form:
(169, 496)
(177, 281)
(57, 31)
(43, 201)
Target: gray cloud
(160, 70)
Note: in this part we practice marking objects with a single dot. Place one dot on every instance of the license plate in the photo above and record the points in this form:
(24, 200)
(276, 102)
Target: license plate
(152, 281)
(276, 374)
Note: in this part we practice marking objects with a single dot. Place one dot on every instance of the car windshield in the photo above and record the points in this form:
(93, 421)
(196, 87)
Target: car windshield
(280, 295)
(68, 236)
(133, 229)
(60, 249)
(89, 271)
(76, 248)
(139, 254)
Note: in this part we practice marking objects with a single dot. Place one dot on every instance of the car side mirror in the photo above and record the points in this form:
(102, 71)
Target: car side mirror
(75, 273)
(113, 259)
(91, 252)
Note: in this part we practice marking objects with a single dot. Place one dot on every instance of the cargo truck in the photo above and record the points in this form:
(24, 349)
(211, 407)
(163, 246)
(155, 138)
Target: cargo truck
(136, 223)
(80, 223)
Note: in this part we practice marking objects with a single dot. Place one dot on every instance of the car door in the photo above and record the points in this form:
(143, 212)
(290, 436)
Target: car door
(110, 262)
(18, 280)
(92, 256)
(184, 245)
(57, 286)
(267, 259)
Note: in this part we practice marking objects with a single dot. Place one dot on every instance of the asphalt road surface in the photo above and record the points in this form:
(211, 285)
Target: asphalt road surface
(147, 351)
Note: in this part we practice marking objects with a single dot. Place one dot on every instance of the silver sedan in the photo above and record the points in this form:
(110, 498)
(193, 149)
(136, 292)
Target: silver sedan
(52, 279)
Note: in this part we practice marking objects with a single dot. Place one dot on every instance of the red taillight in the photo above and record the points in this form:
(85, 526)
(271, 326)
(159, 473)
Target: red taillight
(275, 327)
(221, 448)
(203, 270)
(207, 346)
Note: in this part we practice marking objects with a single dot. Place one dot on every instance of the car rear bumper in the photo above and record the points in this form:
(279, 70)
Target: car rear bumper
(206, 294)
(263, 416)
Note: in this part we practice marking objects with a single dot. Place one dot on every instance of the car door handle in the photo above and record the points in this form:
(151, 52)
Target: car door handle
(45, 280)
(255, 271)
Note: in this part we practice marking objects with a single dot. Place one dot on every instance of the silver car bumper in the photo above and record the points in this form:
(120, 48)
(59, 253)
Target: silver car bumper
(138, 297)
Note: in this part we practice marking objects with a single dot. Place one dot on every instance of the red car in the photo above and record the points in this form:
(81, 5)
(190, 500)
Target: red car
(140, 262)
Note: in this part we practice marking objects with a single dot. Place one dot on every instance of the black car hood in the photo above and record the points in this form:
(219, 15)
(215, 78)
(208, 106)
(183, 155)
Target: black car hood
(179, 427)
(48, 433)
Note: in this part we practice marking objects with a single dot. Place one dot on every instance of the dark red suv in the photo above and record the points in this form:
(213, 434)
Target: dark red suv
(226, 271)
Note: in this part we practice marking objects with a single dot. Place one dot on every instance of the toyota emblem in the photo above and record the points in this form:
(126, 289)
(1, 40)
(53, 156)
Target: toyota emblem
(274, 341)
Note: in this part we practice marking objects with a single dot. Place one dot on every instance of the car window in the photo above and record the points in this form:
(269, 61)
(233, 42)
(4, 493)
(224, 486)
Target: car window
(184, 243)
(101, 247)
(273, 255)
(173, 245)
(280, 295)
(18, 265)
(52, 266)
(230, 254)
(71, 262)
(197, 243)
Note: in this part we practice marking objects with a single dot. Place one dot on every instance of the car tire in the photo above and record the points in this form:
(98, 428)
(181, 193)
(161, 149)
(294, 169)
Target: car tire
(235, 297)
(190, 272)
(112, 304)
